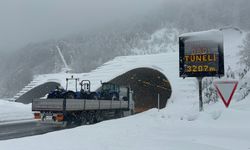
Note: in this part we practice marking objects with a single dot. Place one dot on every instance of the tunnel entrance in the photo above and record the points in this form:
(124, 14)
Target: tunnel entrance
(37, 92)
(146, 83)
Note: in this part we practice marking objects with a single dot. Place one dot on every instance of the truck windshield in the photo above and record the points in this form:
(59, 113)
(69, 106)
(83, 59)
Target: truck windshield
(105, 86)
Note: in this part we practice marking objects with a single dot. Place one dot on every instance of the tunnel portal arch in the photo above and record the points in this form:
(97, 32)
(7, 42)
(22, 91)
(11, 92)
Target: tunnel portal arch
(146, 83)
(37, 92)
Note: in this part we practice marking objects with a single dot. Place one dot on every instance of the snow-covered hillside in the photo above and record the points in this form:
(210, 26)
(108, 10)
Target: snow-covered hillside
(178, 126)
(161, 41)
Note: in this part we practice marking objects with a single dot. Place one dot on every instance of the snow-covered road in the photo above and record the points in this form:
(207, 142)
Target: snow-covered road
(178, 126)
(215, 129)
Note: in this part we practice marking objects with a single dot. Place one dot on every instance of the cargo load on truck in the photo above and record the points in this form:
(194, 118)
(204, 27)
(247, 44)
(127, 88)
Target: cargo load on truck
(64, 107)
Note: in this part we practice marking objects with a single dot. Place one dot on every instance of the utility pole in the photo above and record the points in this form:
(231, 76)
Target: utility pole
(200, 94)
(66, 68)
(158, 104)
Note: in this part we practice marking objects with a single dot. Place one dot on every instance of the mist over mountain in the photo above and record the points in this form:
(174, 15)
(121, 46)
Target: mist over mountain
(125, 35)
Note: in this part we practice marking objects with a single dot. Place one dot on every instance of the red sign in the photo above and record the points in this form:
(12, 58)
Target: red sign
(226, 90)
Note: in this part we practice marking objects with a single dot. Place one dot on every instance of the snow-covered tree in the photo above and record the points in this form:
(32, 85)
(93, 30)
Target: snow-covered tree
(244, 74)
(245, 53)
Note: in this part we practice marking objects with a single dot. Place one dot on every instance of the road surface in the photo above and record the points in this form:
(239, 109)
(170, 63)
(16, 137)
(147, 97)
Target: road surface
(24, 128)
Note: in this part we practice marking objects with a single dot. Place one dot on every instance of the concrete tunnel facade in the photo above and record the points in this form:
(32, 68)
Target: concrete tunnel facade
(37, 92)
(145, 82)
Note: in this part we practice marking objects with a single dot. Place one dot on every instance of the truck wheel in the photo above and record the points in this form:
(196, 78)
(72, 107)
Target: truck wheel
(119, 114)
(82, 119)
(98, 117)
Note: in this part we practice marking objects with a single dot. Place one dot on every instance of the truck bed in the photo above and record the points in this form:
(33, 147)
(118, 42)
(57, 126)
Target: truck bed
(77, 104)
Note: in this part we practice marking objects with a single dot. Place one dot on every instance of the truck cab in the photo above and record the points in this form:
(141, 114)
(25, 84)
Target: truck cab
(113, 91)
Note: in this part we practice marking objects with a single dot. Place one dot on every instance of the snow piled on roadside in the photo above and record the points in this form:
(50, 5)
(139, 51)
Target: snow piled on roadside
(10, 111)
(152, 130)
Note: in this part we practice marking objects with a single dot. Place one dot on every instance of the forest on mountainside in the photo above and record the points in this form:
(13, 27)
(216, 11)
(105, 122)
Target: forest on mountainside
(89, 49)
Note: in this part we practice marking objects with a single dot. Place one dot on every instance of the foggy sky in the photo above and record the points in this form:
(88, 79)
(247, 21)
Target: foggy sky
(26, 21)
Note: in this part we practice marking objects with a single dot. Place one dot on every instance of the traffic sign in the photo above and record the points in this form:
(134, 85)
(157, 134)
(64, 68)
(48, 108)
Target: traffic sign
(226, 90)
(201, 54)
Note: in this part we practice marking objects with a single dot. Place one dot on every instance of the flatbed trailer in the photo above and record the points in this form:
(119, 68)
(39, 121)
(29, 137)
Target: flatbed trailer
(77, 105)
(78, 111)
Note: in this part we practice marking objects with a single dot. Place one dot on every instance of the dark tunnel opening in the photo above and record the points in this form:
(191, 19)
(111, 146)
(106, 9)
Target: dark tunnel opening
(37, 92)
(146, 83)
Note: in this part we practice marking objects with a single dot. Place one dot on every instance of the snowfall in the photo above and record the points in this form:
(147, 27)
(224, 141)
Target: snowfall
(178, 126)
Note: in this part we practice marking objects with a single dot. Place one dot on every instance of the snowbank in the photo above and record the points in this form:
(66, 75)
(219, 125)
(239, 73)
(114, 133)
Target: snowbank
(151, 130)
(10, 111)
